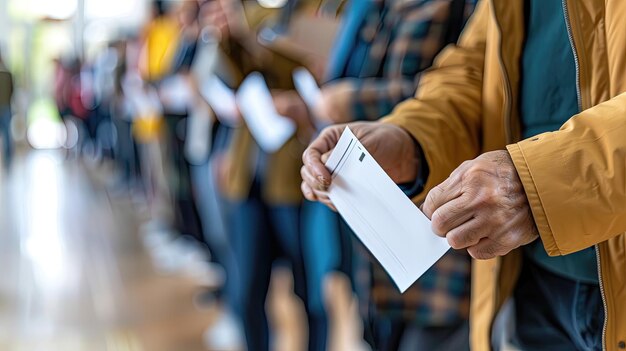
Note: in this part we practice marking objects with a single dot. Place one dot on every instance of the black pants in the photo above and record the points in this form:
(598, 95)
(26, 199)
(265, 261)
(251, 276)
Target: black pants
(555, 313)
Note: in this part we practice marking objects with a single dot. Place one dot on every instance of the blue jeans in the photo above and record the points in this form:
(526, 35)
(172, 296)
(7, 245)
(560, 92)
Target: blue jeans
(555, 313)
(262, 234)
(212, 209)
(5, 134)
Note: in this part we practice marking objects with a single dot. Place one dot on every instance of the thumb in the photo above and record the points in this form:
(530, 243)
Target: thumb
(326, 156)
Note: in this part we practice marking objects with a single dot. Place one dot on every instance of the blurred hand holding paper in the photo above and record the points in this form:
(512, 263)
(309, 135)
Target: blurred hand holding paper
(269, 129)
(395, 231)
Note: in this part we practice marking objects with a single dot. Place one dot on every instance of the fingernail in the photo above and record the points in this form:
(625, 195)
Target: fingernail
(323, 182)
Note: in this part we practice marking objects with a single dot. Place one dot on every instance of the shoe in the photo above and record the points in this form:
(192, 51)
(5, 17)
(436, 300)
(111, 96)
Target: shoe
(225, 334)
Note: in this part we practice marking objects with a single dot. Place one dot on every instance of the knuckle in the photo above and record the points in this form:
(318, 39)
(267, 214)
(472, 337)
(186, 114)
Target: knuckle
(439, 223)
(508, 241)
(456, 241)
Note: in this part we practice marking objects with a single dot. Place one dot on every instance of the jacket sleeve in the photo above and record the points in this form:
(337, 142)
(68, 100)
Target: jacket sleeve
(575, 178)
(445, 116)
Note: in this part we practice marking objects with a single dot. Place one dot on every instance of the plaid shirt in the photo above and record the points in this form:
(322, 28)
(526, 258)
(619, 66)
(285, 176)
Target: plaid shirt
(405, 36)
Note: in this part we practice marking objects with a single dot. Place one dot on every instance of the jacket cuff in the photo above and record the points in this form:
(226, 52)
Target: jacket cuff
(539, 215)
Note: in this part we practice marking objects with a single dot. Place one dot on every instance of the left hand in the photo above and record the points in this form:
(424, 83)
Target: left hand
(336, 104)
(482, 207)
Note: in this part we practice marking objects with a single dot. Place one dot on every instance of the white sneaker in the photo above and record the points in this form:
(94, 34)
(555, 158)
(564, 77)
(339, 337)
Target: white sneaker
(225, 334)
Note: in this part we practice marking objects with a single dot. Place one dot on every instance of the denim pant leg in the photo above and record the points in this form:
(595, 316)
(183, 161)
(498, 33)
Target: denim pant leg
(286, 224)
(555, 313)
(253, 248)
(210, 207)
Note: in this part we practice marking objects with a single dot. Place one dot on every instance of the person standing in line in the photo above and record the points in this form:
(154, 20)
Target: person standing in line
(521, 126)
(6, 96)
(380, 50)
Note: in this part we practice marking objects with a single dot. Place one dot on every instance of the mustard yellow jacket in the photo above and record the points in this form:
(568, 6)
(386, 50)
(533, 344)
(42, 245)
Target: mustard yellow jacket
(575, 178)
(281, 181)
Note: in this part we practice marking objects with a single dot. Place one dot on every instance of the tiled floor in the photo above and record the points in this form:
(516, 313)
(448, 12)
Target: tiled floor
(75, 277)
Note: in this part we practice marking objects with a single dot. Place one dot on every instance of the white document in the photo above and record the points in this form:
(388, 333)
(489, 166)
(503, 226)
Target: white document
(221, 99)
(395, 231)
(269, 129)
(307, 87)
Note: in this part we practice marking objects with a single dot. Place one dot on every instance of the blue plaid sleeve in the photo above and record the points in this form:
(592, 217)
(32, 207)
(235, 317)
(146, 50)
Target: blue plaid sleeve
(414, 43)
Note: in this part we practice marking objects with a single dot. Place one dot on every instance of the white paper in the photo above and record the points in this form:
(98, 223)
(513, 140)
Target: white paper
(395, 231)
(221, 99)
(307, 87)
(269, 129)
(176, 94)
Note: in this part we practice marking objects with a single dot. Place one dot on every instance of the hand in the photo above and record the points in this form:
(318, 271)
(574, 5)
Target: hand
(336, 103)
(391, 146)
(227, 17)
(482, 207)
(289, 104)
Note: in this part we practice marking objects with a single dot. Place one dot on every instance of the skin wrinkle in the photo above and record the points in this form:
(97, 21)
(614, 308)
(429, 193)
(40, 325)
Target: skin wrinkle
(500, 207)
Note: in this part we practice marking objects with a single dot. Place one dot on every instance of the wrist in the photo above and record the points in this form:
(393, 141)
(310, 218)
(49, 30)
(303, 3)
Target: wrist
(413, 158)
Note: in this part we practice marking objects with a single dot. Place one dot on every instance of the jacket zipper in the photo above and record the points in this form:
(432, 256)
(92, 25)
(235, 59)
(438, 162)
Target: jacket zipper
(597, 247)
(580, 108)
(573, 44)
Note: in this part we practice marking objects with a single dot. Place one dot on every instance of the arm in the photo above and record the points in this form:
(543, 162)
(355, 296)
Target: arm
(445, 116)
(575, 178)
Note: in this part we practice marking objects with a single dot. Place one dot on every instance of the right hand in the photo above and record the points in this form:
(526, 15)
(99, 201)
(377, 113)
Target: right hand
(391, 146)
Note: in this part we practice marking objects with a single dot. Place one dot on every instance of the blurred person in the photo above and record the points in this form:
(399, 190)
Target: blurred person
(263, 188)
(160, 37)
(6, 114)
(540, 203)
(381, 48)
(77, 97)
(205, 145)
(102, 77)
(61, 82)
(150, 59)
(176, 96)
(122, 117)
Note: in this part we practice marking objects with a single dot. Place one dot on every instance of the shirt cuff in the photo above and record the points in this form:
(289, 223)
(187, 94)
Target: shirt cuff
(412, 189)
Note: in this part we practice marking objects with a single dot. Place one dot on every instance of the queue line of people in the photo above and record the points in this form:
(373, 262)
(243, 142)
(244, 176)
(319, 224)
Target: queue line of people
(526, 92)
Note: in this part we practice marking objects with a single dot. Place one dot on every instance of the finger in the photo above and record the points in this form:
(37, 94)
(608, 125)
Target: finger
(322, 196)
(486, 249)
(308, 193)
(466, 235)
(308, 178)
(449, 190)
(451, 215)
(325, 157)
(312, 157)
